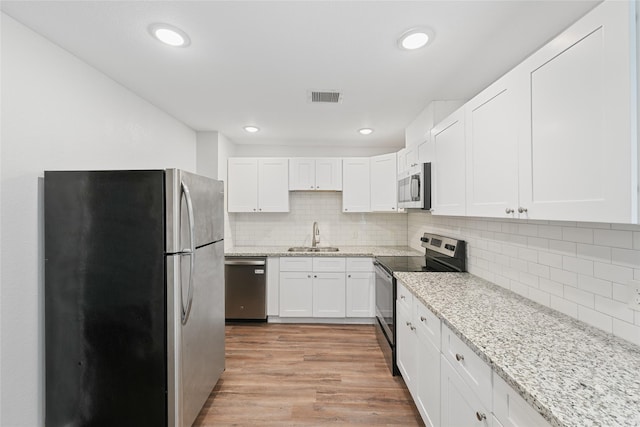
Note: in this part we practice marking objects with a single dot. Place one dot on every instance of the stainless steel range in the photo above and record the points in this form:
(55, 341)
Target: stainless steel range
(442, 254)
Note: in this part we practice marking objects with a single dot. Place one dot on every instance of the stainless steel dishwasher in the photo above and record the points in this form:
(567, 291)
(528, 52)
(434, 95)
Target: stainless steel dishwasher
(246, 288)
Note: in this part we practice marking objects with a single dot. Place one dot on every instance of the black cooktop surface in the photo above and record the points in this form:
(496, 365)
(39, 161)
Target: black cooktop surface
(414, 264)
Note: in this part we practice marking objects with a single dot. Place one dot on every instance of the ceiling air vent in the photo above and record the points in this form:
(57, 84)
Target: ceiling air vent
(331, 97)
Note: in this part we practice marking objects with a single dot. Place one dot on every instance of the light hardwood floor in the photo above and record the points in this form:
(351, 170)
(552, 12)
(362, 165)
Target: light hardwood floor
(304, 375)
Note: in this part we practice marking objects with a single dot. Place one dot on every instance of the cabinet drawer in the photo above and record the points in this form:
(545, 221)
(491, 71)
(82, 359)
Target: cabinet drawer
(511, 409)
(459, 405)
(473, 370)
(296, 264)
(335, 264)
(427, 323)
(359, 264)
(405, 298)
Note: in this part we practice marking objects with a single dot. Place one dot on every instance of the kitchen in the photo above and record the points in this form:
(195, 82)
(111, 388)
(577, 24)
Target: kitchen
(60, 113)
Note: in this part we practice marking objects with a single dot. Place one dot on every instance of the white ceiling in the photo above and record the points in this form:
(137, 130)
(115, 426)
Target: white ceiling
(252, 62)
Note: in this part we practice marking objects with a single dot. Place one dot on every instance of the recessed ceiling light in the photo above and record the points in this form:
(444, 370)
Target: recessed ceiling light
(170, 35)
(366, 131)
(415, 39)
(251, 129)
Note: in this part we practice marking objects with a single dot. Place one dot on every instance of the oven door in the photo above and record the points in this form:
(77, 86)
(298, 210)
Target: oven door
(385, 300)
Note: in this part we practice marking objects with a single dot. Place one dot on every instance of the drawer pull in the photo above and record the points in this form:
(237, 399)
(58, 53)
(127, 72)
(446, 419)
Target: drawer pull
(401, 296)
(480, 416)
(408, 323)
(459, 357)
(413, 328)
(422, 318)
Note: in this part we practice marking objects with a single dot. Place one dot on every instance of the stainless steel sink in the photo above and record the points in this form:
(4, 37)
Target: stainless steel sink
(316, 249)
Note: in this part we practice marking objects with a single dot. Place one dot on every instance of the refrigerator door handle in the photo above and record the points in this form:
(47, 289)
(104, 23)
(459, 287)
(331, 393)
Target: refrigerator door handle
(191, 253)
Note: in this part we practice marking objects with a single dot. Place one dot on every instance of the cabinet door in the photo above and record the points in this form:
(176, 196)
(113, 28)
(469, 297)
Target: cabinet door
(428, 382)
(329, 174)
(273, 185)
(425, 152)
(412, 157)
(356, 196)
(402, 160)
(492, 149)
(511, 410)
(384, 188)
(296, 294)
(406, 347)
(242, 186)
(448, 171)
(578, 151)
(328, 295)
(302, 173)
(360, 295)
(459, 406)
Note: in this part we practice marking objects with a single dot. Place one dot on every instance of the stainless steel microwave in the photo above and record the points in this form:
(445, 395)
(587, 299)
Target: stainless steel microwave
(414, 187)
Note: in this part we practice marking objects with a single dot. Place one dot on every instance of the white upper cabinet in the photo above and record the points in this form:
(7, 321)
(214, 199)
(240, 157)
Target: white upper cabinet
(309, 174)
(384, 189)
(578, 147)
(402, 160)
(356, 191)
(492, 150)
(419, 129)
(258, 185)
(448, 171)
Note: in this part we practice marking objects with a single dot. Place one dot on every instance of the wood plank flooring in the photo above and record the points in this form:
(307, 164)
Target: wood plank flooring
(306, 375)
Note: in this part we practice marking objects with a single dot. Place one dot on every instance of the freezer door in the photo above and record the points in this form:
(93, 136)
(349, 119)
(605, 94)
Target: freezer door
(207, 200)
(195, 347)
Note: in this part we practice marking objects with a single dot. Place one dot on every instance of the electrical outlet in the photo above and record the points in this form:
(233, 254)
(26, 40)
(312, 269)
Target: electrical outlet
(634, 295)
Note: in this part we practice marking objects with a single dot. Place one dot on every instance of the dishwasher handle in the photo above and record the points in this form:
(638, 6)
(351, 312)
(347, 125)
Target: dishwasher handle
(244, 262)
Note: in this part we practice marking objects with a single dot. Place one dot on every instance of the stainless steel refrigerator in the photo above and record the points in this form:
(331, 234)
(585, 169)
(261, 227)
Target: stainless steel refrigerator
(134, 296)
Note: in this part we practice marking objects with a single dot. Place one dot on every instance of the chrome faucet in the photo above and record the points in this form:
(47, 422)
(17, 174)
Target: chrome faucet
(316, 235)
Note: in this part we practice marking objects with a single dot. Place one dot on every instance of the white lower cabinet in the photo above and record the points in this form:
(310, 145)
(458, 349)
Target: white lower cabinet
(296, 294)
(328, 295)
(450, 384)
(326, 287)
(459, 404)
(511, 410)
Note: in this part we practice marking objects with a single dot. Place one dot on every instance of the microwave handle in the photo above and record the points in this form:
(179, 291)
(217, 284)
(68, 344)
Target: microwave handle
(415, 188)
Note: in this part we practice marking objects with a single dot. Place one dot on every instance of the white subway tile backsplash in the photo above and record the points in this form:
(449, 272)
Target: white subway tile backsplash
(595, 286)
(627, 331)
(564, 306)
(614, 309)
(551, 287)
(581, 235)
(595, 318)
(614, 238)
(565, 277)
(580, 269)
(594, 253)
(578, 296)
(550, 232)
(578, 265)
(552, 260)
(539, 270)
(562, 247)
(626, 257)
(614, 273)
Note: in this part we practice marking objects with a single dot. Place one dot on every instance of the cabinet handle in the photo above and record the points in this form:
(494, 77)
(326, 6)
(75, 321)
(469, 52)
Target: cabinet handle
(393, 209)
(401, 296)
(308, 276)
(522, 210)
(318, 187)
(348, 275)
(480, 416)
(408, 323)
(413, 328)
(311, 187)
(459, 357)
(260, 209)
(422, 318)
(509, 211)
(345, 209)
(315, 276)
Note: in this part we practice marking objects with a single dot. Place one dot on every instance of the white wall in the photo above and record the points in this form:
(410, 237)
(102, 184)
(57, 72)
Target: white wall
(244, 150)
(580, 269)
(336, 228)
(226, 149)
(57, 113)
(207, 154)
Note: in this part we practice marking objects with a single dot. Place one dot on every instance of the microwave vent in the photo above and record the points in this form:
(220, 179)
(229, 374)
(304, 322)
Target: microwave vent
(325, 97)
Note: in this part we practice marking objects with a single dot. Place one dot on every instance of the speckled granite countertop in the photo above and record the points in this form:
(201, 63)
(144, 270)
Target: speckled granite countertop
(345, 251)
(573, 374)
